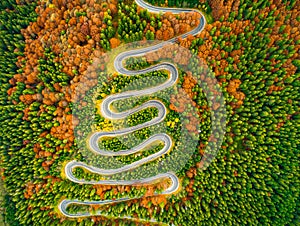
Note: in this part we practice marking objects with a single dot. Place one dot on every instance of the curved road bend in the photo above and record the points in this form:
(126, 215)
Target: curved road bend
(107, 113)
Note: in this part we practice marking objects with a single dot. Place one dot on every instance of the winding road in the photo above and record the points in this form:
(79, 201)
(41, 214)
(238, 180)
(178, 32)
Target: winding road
(107, 113)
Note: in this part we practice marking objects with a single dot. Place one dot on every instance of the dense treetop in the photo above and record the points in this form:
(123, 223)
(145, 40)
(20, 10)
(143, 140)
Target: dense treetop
(252, 48)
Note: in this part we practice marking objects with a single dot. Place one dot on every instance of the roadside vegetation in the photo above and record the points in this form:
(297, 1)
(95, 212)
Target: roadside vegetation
(48, 51)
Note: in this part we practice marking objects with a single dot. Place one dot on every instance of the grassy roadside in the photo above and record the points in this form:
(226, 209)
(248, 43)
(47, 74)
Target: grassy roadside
(208, 17)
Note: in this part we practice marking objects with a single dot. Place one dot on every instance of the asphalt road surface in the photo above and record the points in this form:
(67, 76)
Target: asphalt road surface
(107, 113)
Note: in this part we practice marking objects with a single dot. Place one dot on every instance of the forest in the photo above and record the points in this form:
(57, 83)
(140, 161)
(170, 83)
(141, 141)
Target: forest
(49, 49)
